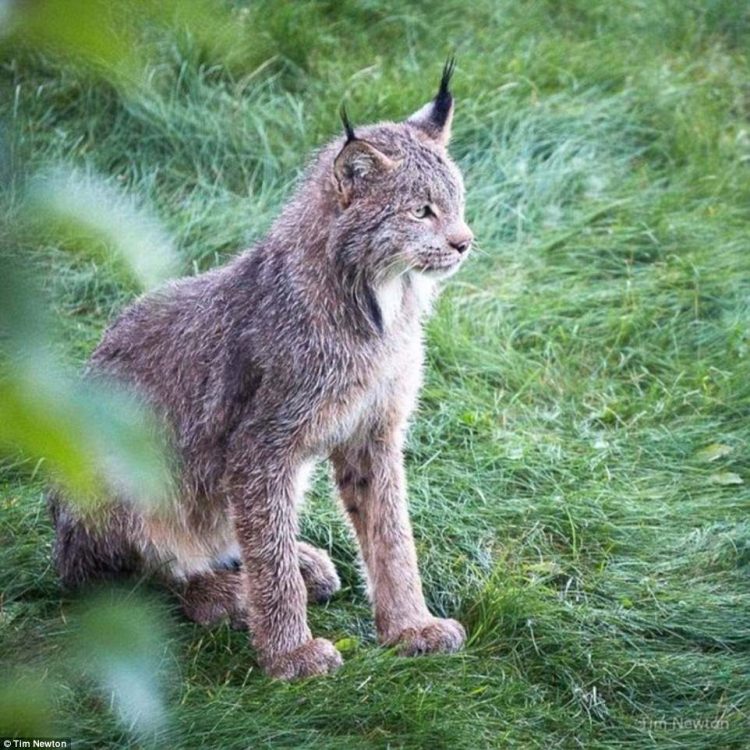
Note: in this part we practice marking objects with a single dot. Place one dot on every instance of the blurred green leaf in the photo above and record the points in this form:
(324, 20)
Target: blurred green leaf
(94, 438)
(120, 642)
(85, 213)
(25, 707)
(82, 31)
(24, 321)
(114, 40)
(8, 18)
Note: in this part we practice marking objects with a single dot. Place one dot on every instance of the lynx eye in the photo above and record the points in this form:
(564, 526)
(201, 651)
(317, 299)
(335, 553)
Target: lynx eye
(423, 212)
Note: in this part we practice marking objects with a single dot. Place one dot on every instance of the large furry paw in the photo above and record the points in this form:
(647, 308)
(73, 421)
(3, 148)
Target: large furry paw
(435, 636)
(208, 598)
(318, 572)
(317, 656)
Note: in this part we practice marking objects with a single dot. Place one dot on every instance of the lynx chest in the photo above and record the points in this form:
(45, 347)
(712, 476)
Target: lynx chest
(363, 390)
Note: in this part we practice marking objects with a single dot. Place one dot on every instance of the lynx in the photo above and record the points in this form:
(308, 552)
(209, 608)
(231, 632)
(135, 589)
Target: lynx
(306, 346)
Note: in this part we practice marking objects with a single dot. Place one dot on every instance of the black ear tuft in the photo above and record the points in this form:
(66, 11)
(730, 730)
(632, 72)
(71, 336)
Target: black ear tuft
(444, 99)
(347, 125)
(435, 118)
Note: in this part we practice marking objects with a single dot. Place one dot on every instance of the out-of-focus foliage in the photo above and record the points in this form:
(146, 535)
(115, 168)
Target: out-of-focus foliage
(93, 438)
(114, 40)
(26, 706)
(117, 641)
(120, 644)
(82, 211)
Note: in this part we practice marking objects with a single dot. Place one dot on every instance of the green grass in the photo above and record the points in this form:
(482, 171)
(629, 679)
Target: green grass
(569, 501)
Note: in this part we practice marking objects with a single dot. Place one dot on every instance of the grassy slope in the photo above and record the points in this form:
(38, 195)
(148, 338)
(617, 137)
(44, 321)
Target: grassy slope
(564, 505)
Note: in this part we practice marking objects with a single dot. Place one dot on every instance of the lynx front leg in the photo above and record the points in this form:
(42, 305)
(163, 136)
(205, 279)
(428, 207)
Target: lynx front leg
(372, 487)
(276, 598)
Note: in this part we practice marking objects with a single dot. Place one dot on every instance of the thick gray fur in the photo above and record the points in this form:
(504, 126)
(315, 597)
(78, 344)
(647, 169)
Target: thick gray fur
(307, 346)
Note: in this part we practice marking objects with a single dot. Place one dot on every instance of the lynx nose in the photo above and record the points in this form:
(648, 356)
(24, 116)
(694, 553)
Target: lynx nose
(460, 238)
(462, 247)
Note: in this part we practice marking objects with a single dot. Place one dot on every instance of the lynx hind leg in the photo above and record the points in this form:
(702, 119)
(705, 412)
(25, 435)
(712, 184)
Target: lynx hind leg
(207, 598)
(88, 552)
(318, 572)
(320, 576)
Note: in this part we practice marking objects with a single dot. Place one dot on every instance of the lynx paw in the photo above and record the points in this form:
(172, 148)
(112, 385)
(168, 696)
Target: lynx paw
(435, 636)
(319, 573)
(317, 656)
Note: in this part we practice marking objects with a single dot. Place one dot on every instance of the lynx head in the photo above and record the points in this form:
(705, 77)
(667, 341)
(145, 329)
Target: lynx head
(400, 197)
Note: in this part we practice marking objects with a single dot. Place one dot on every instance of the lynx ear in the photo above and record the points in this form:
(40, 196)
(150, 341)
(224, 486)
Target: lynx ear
(357, 162)
(435, 118)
